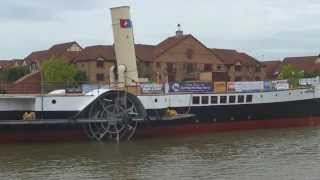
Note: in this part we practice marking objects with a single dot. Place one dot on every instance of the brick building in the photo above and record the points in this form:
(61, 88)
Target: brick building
(96, 62)
(67, 51)
(177, 58)
(272, 69)
(240, 66)
(309, 64)
(181, 57)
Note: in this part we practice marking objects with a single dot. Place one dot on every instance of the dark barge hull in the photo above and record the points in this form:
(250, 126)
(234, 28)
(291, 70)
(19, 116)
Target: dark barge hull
(72, 132)
(208, 119)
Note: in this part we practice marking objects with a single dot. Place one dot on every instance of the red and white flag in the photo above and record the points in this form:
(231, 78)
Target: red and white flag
(125, 23)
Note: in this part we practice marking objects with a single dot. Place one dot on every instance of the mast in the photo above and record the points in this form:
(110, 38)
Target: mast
(124, 46)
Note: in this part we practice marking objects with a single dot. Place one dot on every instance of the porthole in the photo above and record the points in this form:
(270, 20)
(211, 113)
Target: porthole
(53, 101)
(156, 100)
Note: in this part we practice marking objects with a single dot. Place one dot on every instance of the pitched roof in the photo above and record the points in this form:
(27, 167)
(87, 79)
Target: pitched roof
(231, 57)
(167, 44)
(306, 63)
(94, 52)
(272, 68)
(38, 56)
(145, 52)
(58, 50)
(5, 63)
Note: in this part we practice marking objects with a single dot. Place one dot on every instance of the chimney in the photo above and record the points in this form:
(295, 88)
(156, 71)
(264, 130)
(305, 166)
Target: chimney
(179, 32)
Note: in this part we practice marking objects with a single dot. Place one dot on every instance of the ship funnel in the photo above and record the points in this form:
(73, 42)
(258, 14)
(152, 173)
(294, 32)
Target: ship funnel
(124, 45)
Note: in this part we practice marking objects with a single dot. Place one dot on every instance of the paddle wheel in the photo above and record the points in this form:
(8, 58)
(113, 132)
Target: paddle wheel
(114, 115)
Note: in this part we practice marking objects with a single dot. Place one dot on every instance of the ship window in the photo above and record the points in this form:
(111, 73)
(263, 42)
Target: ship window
(205, 100)
(232, 99)
(214, 99)
(223, 99)
(249, 98)
(240, 98)
(196, 100)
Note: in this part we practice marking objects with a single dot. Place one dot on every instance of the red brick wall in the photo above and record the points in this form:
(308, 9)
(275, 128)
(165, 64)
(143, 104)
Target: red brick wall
(30, 84)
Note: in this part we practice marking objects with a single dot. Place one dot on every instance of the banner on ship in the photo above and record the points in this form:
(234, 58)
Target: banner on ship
(191, 87)
(151, 88)
(246, 86)
(280, 84)
(309, 81)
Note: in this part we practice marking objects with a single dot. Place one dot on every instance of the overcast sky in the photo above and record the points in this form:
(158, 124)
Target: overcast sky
(270, 29)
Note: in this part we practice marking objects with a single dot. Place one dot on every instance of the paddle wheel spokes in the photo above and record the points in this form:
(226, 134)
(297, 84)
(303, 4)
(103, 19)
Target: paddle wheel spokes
(116, 110)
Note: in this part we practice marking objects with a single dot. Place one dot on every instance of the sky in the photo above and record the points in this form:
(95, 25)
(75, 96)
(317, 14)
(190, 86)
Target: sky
(267, 30)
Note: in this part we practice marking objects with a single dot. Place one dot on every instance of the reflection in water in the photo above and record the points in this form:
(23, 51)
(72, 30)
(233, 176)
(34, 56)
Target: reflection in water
(263, 154)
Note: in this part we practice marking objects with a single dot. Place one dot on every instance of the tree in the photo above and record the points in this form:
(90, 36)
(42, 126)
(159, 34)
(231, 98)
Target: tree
(291, 73)
(80, 77)
(57, 70)
(14, 73)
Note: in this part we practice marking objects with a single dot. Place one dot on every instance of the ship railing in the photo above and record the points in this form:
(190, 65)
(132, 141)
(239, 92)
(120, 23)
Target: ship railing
(153, 89)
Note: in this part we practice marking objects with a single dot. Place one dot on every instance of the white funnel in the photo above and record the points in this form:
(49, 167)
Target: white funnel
(124, 44)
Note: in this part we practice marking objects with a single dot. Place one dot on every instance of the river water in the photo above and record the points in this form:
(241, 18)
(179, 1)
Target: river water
(262, 154)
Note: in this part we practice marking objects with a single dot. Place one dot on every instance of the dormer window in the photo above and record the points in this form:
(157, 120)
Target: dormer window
(74, 48)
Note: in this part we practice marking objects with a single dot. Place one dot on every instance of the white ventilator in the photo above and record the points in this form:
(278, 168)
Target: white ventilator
(124, 45)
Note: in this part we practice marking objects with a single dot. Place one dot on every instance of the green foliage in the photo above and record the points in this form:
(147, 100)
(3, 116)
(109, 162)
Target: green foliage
(80, 77)
(57, 70)
(311, 75)
(291, 73)
(14, 73)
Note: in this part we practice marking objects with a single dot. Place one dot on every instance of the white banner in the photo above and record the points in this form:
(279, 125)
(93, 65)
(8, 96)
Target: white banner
(251, 86)
(147, 88)
(309, 81)
(280, 84)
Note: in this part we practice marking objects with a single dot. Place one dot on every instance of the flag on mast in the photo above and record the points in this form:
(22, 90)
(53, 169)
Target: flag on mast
(125, 23)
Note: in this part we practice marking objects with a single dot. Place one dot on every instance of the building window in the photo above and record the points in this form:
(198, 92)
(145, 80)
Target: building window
(147, 64)
(100, 64)
(232, 99)
(257, 78)
(240, 98)
(190, 68)
(223, 99)
(205, 100)
(171, 67)
(258, 69)
(214, 99)
(171, 78)
(100, 77)
(219, 67)
(208, 67)
(195, 100)
(238, 68)
(249, 98)
(158, 64)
